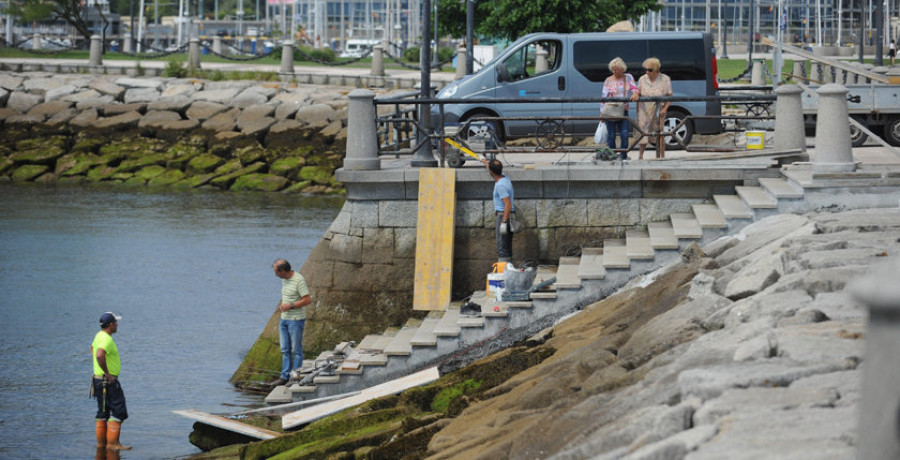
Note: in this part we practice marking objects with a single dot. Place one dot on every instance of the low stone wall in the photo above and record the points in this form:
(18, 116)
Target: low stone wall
(239, 135)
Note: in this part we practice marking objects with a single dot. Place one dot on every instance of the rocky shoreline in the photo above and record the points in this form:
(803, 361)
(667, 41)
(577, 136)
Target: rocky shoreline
(172, 132)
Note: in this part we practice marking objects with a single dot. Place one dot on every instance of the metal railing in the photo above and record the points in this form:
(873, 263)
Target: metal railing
(398, 131)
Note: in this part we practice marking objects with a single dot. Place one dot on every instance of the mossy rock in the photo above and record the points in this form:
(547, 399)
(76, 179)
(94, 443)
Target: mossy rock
(28, 172)
(42, 143)
(297, 187)
(224, 182)
(302, 151)
(149, 172)
(228, 167)
(5, 165)
(318, 174)
(132, 165)
(135, 181)
(287, 167)
(100, 172)
(78, 165)
(89, 145)
(121, 176)
(250, 154)
(204, 163)
(182, 161)
(167, 178)
(38, 156)
(194, 181)
(259, 183)
(185, 149)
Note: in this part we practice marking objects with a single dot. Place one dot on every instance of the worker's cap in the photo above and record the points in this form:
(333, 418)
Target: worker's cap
(109, 317)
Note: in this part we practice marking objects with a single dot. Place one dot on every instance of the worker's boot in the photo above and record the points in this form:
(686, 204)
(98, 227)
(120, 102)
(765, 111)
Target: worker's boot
(100, 428)
(112, 436)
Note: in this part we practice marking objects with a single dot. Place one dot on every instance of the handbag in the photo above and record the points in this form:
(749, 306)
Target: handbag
(613, 109)
(601, 135)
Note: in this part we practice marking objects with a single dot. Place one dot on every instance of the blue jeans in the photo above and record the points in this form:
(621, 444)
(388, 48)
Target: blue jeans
(619, 127)
(291, 339)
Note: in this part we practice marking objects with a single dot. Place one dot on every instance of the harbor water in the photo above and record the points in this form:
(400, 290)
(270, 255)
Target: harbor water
(189, 272)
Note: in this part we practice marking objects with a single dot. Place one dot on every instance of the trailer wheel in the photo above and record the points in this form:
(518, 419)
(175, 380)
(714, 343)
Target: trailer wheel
(858, 137)
(892, 131)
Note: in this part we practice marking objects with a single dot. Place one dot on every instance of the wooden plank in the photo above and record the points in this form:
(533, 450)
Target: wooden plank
(832, 62)
(434, 238)
(228, 424)
(312, 414)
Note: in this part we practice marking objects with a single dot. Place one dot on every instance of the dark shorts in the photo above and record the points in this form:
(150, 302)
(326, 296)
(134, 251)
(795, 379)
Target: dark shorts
(112, 403)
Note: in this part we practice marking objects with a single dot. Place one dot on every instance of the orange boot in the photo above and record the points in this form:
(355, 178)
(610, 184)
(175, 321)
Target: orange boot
(100, 428)
(112, 436)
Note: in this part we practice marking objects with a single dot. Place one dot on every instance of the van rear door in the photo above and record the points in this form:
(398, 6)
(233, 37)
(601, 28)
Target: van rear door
(533, 70)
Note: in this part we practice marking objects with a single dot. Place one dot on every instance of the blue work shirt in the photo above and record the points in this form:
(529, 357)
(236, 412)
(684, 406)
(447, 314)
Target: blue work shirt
(502, 189)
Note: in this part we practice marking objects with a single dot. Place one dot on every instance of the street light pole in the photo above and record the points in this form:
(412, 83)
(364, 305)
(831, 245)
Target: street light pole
(470, 37)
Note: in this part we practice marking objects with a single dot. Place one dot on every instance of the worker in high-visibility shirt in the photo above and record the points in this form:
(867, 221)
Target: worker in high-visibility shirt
(111, 410)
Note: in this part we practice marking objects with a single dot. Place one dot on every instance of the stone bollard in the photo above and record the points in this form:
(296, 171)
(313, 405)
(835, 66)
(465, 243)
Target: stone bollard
(756, 77)
(541, 64)
(460, 62)
(36, 41)
(798, 71)
(217, 44)
(378, 61)
(362, 140)
(879, 407)
(833, 150)
(126, 43)
(194, 54)
(789, 130)
(96, 58)
(287, 58)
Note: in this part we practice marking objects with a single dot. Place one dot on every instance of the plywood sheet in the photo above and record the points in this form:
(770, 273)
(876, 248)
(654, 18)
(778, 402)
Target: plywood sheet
(434, 238)
(228, 424)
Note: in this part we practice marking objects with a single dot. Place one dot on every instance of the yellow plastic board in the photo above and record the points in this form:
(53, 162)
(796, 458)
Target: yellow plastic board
(434, 238)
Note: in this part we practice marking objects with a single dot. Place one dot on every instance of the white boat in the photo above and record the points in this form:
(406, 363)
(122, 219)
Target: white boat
(357, 47)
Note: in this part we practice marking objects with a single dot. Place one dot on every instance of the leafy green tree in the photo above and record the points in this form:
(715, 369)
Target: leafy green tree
(511, 19)
(30, 11)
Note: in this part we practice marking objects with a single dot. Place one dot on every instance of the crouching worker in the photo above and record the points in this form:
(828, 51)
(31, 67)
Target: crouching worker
(111, 411)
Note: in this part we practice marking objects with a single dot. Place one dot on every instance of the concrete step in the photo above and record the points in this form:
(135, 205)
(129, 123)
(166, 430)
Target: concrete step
(662, 236)
(490, 306)
(372, 342)
(615, 254)
(302, 389)
(400, 345)
(326, 379)
(685, 225)
(637, 245)
(470, 321)
(447, 326)
(279, 395)
(780, 188)
(756, 197)
(591, 265)
(732, 207)
(709, 216)
(567, 273)
(544, 295)
(425, 336)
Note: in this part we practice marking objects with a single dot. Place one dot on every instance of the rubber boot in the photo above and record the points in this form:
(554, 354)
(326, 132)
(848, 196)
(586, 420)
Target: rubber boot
(100, 428)
(112, 436)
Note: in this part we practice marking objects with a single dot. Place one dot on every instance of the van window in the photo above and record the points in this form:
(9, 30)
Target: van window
(592, 57)
(522, 63)
(680, 59)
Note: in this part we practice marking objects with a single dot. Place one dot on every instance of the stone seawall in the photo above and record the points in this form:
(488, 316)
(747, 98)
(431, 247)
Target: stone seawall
(187, 133)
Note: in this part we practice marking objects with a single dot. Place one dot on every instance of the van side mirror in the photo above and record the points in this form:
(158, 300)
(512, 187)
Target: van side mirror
(502, 73)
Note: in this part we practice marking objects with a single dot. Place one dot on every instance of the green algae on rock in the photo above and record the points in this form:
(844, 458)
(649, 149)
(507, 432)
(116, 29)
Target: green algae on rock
(259, 182)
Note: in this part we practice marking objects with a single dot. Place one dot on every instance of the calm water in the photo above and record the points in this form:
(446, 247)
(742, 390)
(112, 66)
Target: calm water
(190, 272)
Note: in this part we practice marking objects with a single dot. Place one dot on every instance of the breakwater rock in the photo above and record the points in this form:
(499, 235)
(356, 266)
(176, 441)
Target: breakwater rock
(186, 133)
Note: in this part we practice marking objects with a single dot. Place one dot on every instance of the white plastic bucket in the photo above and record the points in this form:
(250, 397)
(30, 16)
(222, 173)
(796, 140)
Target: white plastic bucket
(495, 283)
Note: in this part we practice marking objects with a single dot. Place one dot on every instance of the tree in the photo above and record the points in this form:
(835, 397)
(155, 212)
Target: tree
(75, 13)
(510, 19)
(30, 11)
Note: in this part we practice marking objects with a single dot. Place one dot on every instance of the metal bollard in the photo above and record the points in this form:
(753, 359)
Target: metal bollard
(96, 58)
(194, 54)
(833, 150)
(789, 129)
(362, 139)
(287, 58)
(879, 408)
(378, 61)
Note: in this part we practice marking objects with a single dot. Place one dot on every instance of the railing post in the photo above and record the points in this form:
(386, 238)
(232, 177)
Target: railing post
(833, 150)
(460, 62)
(194, 54)
(96, 58)
(362, 138)
(424, 155)
(378, 61)
(879, 408)
(217, 44)
(789, 129)
(798, 71)
(756, 77)
(126, 43)
(287, 59)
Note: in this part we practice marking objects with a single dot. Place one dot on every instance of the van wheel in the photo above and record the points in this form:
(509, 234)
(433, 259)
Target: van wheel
(858, 137)
(455, 160)
(892, 131)
(684, 132)
(476, 130)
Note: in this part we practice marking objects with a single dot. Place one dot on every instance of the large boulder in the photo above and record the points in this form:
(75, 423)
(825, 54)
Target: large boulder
(23, 102)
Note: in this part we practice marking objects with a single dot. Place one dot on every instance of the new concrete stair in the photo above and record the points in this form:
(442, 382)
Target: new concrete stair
(580, 280)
